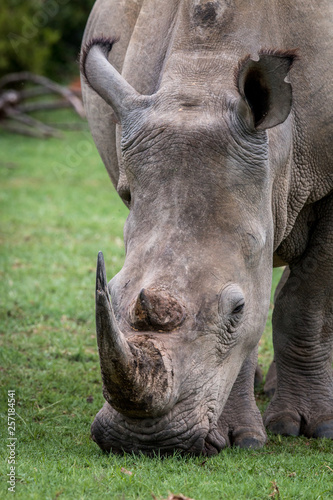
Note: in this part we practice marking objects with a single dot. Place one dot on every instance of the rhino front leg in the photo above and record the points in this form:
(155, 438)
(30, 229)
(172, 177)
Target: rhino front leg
(241, 423)
(303, 340)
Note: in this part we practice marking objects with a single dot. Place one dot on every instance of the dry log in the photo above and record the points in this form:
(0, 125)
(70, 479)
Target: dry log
(47, 83)
(15, 106)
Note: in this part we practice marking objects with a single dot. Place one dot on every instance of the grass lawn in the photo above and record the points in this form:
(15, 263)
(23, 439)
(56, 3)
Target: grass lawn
(58, 209)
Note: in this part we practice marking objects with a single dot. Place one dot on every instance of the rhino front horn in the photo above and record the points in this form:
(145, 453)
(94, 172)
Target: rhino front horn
(136, 380)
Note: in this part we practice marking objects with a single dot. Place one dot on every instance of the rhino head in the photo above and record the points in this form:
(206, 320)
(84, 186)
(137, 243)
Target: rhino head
(175, 325)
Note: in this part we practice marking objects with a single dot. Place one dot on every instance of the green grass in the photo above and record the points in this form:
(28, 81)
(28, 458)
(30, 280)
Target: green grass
(58, 209)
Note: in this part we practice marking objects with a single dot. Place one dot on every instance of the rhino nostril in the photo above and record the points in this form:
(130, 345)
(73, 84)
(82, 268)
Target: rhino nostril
(156, 310)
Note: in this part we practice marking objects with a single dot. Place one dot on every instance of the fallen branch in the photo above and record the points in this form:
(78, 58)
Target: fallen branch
(30, 107)
(46, 130)
(15, 105)
(47, 83)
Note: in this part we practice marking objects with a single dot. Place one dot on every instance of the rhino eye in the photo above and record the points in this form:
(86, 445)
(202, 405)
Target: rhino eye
(239, 308)
(231, 302)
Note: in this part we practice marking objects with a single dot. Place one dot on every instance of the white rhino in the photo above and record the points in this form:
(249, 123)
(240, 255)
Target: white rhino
(214, 120)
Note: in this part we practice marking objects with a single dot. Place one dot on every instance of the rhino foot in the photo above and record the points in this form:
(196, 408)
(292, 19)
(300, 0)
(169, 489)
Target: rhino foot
(251, 442)
(324, 430)
(283, 423)
(291, 423)
(248, 438)
(243, 429)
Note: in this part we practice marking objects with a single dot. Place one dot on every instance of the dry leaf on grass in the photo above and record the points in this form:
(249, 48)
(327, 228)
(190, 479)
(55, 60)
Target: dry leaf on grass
(173, 497)
(275, 490)
(178, 497)
(125, 471)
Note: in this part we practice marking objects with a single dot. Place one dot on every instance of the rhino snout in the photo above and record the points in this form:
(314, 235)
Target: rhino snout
(137, 375)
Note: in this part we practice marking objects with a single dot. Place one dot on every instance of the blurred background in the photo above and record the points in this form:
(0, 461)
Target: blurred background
(39, 62)
(42, 36)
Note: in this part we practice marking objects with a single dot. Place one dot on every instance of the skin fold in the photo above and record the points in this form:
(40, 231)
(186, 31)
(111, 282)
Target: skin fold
(214, 122)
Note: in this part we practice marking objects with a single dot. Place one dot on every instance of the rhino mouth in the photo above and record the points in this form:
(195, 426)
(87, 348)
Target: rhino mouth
(179, 430)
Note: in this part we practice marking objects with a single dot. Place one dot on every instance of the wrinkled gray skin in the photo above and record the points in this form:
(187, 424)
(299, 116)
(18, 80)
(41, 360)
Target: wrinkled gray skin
(223, 171)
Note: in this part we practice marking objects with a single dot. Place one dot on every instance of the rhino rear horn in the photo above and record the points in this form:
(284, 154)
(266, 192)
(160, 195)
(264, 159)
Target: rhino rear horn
(102, 77)
(135, 379)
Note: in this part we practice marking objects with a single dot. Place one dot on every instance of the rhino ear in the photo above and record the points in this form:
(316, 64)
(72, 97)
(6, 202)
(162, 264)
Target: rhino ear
(262, 85)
